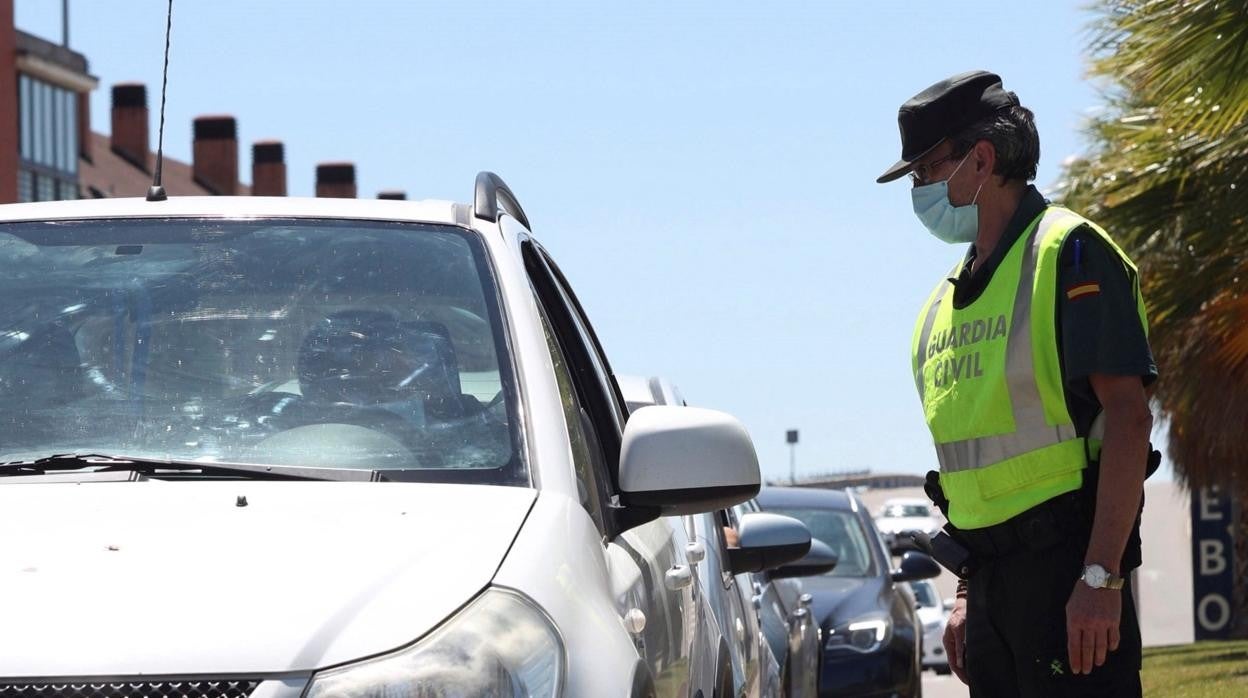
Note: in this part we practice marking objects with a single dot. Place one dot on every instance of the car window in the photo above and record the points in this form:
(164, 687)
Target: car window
(843, 532)
(588, 365)
(587, 455)
(924, 594)
(272, 341)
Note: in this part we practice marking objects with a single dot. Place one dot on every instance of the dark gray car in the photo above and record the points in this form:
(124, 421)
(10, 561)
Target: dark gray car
(871, 632)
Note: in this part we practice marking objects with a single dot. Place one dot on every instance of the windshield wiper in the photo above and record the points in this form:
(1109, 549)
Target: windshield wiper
(155, 467)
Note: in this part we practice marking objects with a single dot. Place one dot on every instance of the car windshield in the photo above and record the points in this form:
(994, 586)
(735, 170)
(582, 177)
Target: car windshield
(924, 594)
(318, 343)
(841, 531)
(900, 511)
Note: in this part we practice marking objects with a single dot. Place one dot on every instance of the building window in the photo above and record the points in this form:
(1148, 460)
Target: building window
(25, 186)
(45, 188)
(48, 145)
(66, 191)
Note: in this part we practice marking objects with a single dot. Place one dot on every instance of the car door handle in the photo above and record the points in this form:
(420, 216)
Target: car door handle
(695, 552)
(678, 577)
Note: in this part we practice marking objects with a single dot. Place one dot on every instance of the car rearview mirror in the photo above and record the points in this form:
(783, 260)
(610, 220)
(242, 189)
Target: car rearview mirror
(686, 460)
(915, 566)
(767, 541)
(819, 560)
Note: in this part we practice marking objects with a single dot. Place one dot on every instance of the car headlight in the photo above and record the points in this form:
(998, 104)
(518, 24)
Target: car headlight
(863, 635)
(931, 625)
(501, 644)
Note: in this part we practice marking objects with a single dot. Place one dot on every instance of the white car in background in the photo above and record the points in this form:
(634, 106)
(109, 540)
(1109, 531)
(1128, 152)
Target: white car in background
(901, 515)
(278, 448)
(933, 614)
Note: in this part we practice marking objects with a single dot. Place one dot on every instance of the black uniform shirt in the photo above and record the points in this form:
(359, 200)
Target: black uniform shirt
(1098, 327)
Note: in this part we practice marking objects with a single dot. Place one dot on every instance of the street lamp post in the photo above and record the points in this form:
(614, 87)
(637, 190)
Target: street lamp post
(790, 437)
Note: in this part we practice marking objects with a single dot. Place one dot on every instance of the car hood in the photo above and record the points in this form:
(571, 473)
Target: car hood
(837, 600)
(181, 578)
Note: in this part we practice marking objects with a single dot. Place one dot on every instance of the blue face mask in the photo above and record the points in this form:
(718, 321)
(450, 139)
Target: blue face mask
(952, 224)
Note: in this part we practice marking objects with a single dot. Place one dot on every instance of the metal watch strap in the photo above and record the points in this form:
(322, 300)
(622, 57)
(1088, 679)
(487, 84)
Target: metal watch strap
(1112, 581)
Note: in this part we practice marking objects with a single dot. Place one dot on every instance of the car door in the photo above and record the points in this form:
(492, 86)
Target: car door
(802, 662)
(765, 681)
(659, 607)
(732, 610)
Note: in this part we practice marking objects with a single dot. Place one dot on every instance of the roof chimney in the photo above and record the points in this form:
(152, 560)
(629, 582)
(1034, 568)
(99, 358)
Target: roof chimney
(335, 180)
(83, 103)
(214, 154)
(394, 194)
(130, 139)
(268, 169)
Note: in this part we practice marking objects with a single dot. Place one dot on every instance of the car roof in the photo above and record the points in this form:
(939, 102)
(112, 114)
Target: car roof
(811, 497)
(906, 501)
(636, 389)
(641, 392)
(444, 212)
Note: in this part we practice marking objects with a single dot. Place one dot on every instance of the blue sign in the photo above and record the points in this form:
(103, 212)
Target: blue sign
(1213, 553)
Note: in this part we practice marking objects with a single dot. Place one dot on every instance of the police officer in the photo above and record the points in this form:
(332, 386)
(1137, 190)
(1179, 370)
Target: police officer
(1031, 361)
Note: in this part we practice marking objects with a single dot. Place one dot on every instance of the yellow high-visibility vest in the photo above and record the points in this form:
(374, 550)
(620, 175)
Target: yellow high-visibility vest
(990, 379)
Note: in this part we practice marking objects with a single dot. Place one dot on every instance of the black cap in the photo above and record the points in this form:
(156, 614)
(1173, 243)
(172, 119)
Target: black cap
(943, 110)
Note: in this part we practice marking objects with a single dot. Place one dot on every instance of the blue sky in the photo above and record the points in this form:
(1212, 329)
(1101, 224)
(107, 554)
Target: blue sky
(704, 172)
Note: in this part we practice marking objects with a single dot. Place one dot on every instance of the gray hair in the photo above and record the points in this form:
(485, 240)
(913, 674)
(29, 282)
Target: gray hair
(1012, 132)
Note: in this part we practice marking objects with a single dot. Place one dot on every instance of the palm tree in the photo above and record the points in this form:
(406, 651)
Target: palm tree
(1167, 174)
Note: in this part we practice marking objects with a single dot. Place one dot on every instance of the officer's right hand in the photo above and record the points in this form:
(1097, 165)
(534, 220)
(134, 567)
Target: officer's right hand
(955, 640)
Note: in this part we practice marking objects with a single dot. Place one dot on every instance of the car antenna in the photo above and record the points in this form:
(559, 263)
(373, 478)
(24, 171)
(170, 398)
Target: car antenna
(157, 192)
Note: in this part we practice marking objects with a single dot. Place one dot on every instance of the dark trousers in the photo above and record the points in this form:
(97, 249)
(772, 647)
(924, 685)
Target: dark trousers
(1016, 630)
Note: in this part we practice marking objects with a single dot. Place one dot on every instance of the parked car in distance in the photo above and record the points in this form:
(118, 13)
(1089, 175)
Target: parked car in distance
(870, 627)
(933, 614)
(785, 613)
(902, 515)
(291, 447)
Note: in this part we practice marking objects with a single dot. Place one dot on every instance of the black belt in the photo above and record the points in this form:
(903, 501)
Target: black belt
(1039, 528)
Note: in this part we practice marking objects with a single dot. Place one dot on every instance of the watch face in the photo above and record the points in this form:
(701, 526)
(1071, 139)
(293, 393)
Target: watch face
(1095, 576)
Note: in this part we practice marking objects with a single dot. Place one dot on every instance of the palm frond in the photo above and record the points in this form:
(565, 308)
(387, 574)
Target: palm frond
(1166, 174)
(1187, 58)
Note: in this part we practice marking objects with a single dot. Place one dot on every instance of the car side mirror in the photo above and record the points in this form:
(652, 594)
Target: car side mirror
(915, 566)
(819, 560)
(767, 541)
(686, 460)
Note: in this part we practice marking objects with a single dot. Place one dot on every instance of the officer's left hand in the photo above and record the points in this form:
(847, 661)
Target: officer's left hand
(1092, 617)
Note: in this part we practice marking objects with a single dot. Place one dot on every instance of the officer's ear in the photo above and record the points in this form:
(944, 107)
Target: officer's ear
(984, 160)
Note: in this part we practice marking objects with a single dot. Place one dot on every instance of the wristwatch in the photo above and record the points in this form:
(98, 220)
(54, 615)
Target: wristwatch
(1098, 577)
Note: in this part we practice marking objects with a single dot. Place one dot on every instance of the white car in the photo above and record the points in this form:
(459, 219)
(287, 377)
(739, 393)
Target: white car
(326, 447)
(902, 515)
(933, 614)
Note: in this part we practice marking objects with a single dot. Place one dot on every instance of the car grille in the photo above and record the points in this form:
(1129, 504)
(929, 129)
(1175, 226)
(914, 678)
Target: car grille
(202, 688)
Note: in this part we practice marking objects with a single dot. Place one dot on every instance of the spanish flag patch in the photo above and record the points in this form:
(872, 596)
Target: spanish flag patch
(1082, 289)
